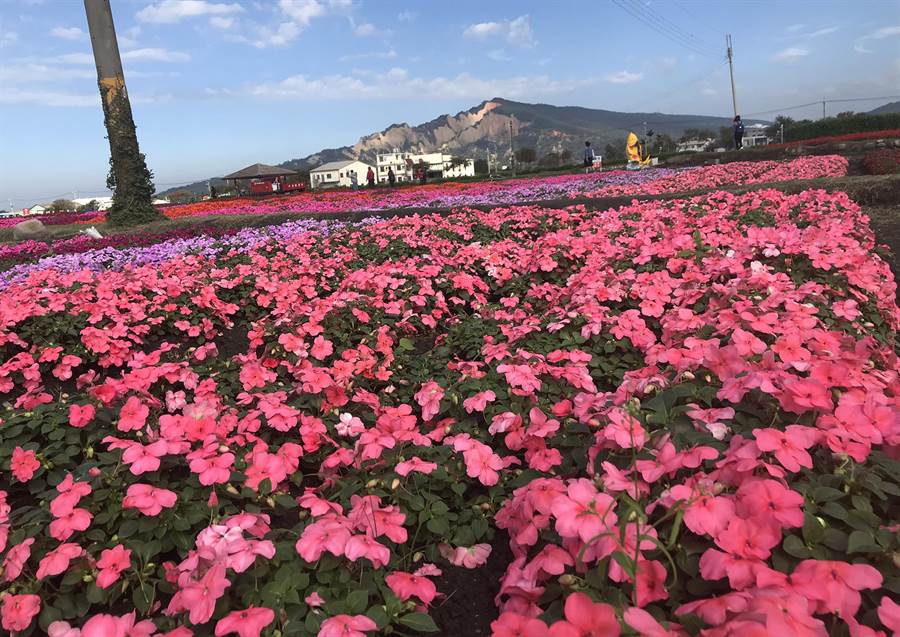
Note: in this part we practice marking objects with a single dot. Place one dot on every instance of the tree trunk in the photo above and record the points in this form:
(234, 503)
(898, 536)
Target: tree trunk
(129, 177)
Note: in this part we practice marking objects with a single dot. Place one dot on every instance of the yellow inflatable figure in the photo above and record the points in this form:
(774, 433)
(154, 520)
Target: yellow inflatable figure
(634, 149)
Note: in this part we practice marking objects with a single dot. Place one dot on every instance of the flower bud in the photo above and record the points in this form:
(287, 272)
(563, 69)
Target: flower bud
(567, 579)
(395, 484)
(371, 484)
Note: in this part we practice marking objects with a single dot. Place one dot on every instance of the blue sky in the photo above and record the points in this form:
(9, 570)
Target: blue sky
(219, 84)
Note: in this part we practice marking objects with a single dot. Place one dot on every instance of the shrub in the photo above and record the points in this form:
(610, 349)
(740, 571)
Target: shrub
(884, 161)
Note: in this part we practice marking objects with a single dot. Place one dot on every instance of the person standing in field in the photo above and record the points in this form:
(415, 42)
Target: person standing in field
(370, 177)
(392, 178)
(354, 180)
(738, 127)
(588, 156)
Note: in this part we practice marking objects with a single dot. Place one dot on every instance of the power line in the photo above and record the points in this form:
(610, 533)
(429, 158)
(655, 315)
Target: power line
(663, 28)
(697, 19)
(672, 26)
(827, 101)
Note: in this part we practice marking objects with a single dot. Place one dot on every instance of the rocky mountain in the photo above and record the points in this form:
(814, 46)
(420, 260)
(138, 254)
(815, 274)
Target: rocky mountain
(486, 128)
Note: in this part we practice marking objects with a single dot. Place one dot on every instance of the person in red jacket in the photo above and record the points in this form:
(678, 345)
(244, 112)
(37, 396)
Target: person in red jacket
(370, 177)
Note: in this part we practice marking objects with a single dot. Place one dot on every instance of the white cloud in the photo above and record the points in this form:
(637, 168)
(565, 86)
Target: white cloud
(516, 32)
(797, 33)
(499, 55)
(128, 38)
(155, 55)
(302, 11)
(8, 38)
(790, 54)
(406, 16)
(795, 27)
(880, 34)
(24, 72)
(668, 63)
(709, 91)
(859, 48)
(398, 84)
(220, 22)
(364, 29)
(47, 98)
(623, 77)
(390, 54)
(169, 11)
(68, 33)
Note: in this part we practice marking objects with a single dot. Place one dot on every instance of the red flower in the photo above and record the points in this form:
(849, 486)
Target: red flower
(17, 611)
(246, 623)
(584, 618)
(406, 585)
(23, 464)
(81, 415)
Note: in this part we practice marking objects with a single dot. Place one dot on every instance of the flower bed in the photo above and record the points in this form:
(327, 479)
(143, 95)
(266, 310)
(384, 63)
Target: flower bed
(51, 219)
(835, 139)
(734, 173)
(679, 411)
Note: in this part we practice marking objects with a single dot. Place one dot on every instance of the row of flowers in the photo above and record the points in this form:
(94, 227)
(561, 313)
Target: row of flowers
(891, 133)
(685, 416)
(132, 249)
(615, 183)
(52, 219)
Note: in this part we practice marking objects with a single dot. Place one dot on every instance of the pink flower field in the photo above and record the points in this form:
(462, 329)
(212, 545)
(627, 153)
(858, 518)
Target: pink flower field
(674, 418)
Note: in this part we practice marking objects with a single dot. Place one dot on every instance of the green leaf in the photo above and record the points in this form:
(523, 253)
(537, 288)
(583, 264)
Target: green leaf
(420, 622)
(357, 601)
(826, 494)
(862, 542)
(143, 597)
(625, 562)
(377, 615)
(406, 344)
(813, 530)
(795, 547)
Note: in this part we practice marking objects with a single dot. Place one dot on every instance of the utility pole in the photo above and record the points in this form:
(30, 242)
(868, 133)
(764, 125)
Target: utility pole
(730, 54)
(823, 109)
(129, 178)
(512, 150)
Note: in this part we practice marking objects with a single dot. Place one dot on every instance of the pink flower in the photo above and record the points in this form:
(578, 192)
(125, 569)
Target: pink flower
(63, 527)
(479, 401)
(148, 499)
(144, 458)
(584, 618)
(328, 534)
(133, 414)
(62, 629)
(646, 626)
(583, 512)
(483, 463)
(364, 546)
(321, 349)
(57, 560)
(349, 425)
(23, 464)
(835, 585)
(466, 556)
(314, 599)
(770, 501)
(199, 597)
(889, 614)
(15, 559)
(17, 611)
(246, 623)
(113, 626)
(346, 626)
(515, 625)
(111, 563)
(789, 447)
(429, 399)
(651, 582)
(81, 415)
(414, 464)
(406, 585)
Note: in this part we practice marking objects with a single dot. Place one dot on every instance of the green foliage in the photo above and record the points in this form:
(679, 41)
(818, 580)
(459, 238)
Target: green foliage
(841, 126)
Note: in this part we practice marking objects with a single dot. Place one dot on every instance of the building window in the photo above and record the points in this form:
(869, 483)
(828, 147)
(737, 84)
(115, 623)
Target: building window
(328, 176)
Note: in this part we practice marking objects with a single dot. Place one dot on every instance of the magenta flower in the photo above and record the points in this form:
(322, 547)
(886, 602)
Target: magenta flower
(148, 499)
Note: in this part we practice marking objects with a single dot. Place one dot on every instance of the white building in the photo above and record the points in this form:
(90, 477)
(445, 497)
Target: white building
(694, 145)
(102, 203)
(337, 173)
(755, 135)
(438, 165)
(37, 209)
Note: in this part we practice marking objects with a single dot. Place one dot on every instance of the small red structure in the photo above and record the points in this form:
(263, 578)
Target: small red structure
(268, 180)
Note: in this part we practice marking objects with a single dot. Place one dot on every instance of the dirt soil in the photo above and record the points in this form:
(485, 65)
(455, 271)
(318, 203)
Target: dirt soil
(468, 608)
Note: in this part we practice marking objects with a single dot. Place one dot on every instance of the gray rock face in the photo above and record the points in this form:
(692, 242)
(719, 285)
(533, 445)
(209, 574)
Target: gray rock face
(30, 230)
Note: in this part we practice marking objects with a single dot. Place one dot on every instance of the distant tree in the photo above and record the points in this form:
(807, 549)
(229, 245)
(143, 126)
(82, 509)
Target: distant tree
(565, 157)
(88, 207)
(781, 120)
(526, 155)
(613, 154)
(62, 205)
(481, 167)
(457, 161)
(690, 134)
(181, 196)
(663, 144)
(725, 136)
(551, 160)
(844, 114)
